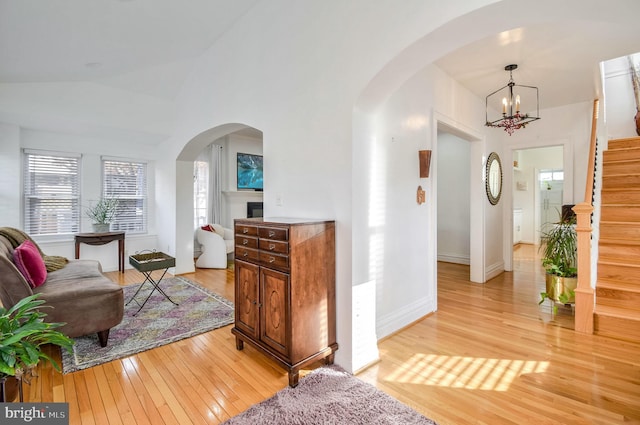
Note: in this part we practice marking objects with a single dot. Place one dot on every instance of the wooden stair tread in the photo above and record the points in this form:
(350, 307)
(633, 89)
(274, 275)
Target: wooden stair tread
(624, 181)
(618, 261)
(629, 142)
(617, 286)
(612, 263)
(615, 157)
(618, 223)
(618, 205)
(619, 241)
(621, 150)
(621, 313)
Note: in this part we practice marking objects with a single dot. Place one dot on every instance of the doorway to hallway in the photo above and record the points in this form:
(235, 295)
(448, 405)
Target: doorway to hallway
(538, 191)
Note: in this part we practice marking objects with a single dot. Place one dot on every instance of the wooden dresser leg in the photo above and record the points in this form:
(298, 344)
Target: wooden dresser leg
(293, 378)
(239, 344)
(330, 358)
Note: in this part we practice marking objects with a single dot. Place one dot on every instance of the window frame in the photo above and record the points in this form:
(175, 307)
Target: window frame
(120, 224)
(29, 193)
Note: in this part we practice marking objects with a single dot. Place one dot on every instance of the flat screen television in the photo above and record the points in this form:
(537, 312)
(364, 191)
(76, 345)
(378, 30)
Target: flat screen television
(250, 173)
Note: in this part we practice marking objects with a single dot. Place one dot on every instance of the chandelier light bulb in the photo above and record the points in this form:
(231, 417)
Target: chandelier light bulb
(511, 120)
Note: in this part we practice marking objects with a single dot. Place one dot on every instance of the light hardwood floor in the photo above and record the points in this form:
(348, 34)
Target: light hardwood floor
(489, 355)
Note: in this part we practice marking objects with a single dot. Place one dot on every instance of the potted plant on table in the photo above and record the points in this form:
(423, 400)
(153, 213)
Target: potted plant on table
(102, 214)
(23, 332)
(560, 262)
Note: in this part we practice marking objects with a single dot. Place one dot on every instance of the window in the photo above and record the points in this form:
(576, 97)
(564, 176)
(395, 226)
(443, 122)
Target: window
(200, 192)
(126, 181)
(51, 185)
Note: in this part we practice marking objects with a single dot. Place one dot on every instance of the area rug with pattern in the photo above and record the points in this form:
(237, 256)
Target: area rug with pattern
(158, 323)
(330, 395)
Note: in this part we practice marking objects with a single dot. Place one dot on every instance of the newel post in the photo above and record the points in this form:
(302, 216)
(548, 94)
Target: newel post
(584, 292)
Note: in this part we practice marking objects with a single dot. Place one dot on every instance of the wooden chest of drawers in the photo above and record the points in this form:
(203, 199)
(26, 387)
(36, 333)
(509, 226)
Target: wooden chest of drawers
(285, 290)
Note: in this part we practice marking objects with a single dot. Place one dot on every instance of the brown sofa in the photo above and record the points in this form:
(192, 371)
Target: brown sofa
(79, 295)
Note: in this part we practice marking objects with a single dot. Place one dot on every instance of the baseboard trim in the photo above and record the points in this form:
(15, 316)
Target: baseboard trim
(409, 314)
(494, 270)
(456, 259)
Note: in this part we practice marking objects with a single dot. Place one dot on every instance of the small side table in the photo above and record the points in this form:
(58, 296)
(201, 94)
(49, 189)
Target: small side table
(101, 239)
(146, 264)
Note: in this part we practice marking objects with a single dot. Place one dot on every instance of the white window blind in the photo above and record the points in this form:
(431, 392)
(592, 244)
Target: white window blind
(126, 181)
(51, 188)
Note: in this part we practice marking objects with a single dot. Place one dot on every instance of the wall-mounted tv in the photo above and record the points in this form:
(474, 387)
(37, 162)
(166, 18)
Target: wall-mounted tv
(250, 175)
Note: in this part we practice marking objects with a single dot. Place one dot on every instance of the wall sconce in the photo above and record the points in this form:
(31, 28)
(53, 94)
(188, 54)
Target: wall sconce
(425, 162)
(420, 196)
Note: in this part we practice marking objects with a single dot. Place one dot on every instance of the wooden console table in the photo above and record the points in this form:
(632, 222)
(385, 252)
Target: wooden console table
(101, 239)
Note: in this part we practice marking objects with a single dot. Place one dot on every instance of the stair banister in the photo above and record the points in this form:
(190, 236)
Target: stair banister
(584, 293)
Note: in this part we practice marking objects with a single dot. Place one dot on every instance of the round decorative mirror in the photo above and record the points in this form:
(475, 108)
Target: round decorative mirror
(493, 178)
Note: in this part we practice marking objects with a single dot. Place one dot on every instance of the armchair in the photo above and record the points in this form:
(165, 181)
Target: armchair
(215, 245)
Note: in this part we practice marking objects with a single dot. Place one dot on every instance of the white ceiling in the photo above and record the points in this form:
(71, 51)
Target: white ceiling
(140, 52)
(118, 43)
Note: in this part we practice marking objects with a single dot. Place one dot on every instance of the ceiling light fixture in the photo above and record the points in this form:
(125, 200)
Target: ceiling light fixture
(510, 104)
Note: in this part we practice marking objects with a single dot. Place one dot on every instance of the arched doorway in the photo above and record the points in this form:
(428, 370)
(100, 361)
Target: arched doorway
(184, 187)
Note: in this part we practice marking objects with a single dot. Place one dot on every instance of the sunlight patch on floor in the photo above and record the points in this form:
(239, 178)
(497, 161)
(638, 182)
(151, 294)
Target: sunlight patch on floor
(474, 373)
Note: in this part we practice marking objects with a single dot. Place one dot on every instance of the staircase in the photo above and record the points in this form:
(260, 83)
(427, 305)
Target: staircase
(617, 310)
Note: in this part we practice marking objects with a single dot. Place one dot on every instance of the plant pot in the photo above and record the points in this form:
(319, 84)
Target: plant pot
(101, 228)
(9, 389)
(557, 285)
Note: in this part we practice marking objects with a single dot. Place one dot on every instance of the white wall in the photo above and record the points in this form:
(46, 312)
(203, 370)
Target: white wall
(620, 105)
(454, 205)
(395, 234)
(10, 177)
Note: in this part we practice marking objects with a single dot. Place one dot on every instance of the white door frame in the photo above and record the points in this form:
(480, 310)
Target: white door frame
(477, 234)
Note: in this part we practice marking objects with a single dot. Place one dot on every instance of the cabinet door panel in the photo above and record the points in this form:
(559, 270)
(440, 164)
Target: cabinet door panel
(246, 297)
(275, 311)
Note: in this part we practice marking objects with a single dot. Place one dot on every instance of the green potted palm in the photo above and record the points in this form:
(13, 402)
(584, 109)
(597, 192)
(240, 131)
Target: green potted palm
(102, 214)
(23, 332)
(559, 259)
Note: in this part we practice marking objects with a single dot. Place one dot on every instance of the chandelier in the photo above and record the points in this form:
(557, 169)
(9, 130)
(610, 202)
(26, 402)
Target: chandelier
(510, 104)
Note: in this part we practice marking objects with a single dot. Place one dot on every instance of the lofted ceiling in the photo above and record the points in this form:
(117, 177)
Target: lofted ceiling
(63, 63)
(561, 59)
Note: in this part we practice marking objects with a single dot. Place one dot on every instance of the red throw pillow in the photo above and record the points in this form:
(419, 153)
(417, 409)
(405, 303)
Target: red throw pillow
(28, 260)
(208, 228)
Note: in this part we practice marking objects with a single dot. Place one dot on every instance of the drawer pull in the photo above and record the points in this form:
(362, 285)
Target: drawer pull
(272, 259)
(245, 241)
(246, 254)
(245, 230)
(271, 233)
(272, 247)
